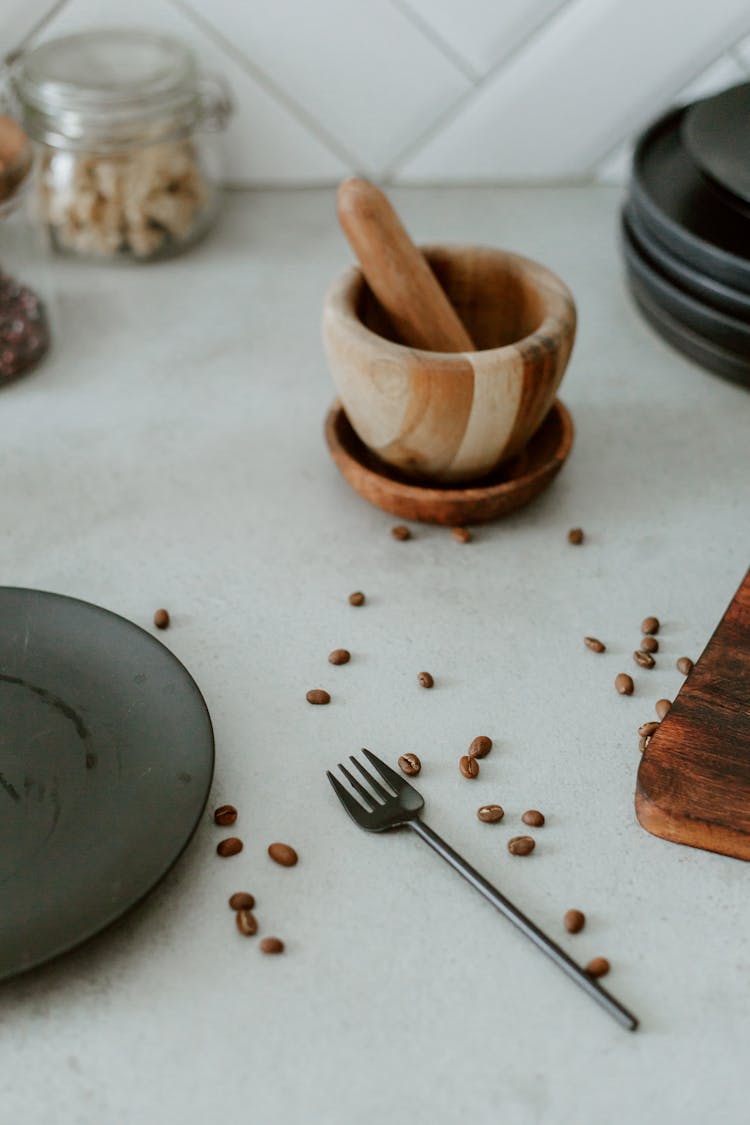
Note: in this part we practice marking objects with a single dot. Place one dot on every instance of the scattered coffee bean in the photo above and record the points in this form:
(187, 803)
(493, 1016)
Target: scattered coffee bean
(339, 656)
(594, 644)
(599, 967)
(225, 815)
(241, 900)
(645, 730)
(409, 764)
(480, 746)
(400, 532)
(649, 644)
(318, 696)
(685, 665)
(461, 534)
(521, 845)
(283, 854)
(425, 680)
(490, 814)
(533, 818)
(357, 598)
(624, 684)
(231, 846)
(662, 707)
(644, 659)
(575, 536)
(650, 625)
(469, 767)
(161, 619)
(574, 921)
(246, 922)
(271, 945)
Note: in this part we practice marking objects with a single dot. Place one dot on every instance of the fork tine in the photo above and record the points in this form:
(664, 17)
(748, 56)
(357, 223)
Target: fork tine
(365, 794)
(352, 806)
(394, 779)
(372, 781)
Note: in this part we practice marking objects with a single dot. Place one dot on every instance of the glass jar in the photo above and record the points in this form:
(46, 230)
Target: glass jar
(123, 121)
(24, 277)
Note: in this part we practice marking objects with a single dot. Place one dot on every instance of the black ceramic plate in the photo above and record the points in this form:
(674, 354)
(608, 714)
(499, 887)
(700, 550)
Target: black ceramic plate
(721, 297)
(716, 134)
(709, 355)
(106, 759)
(676, 203)
(727, 331)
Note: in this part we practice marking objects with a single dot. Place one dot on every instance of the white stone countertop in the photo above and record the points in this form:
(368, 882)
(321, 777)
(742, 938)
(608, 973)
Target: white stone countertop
(170, 452)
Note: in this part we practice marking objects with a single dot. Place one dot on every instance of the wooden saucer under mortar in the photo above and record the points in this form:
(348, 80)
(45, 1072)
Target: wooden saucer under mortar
(512, 486)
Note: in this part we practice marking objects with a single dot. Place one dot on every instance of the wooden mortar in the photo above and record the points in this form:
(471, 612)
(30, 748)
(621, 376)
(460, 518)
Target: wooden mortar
(453, 416)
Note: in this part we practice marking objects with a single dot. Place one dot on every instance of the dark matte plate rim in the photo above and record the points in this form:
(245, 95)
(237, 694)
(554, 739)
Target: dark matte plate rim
(705, 353)
(691, 128)
(706, 316)
(697, 284)
(684, 242)
(121, 911)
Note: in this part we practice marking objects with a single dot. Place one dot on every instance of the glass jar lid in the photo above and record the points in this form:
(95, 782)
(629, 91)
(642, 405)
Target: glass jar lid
(109, 89)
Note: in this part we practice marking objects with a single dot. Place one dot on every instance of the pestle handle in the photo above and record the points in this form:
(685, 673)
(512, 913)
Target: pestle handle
(397, 271)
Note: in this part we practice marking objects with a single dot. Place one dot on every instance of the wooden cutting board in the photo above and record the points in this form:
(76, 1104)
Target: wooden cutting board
(693, 782)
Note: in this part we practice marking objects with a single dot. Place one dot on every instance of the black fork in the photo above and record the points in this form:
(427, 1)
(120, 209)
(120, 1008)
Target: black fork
(400, 806)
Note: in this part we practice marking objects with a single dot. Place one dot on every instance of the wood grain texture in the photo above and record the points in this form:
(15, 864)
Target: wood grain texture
(397, 272)
(442, 417)
(518, 482)
(693, 783)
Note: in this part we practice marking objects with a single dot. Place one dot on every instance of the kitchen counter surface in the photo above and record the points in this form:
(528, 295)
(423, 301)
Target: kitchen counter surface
(170, 453)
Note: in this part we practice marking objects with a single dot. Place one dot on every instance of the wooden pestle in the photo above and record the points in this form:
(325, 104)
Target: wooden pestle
(397, 272)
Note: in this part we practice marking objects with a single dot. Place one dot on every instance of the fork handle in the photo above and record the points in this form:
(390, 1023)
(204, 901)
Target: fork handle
(625, 1018)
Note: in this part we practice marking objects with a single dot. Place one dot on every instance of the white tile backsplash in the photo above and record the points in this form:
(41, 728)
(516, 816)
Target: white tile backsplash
(439, 91)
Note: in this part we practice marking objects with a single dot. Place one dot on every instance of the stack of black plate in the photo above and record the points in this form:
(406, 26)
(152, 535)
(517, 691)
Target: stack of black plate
(686, 230)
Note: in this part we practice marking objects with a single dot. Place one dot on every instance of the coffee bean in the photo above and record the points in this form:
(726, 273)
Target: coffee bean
(533, 818)
(685, 665)
(246, 922)
(461, 534)
(409, 764)
(241, 900)
(662, 707)
(400, 532)
(231, 846)
(339, 656)
(490, 814)
(575, 536)
(574, 921)
(271, 945)
(644, 659)
(645, 730)
(594, 644)
(283, 854)
(357, 598)
(480, 746)
(469, 767)
(521, 845)
(599, 967)
(225, 815)
(318, 696)
(649, 644)
(624, 684)
(161, 619)
(650, 625)
(425, 680)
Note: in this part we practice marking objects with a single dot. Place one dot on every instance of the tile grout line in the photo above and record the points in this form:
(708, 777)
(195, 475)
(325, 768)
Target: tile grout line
(453, 111)
(271, 87)
(428, 31)
(42, 22)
